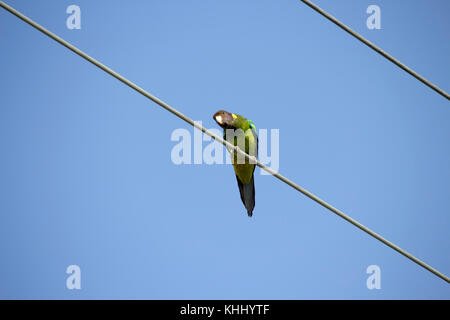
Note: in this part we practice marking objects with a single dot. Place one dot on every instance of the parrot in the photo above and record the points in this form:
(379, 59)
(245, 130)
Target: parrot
(246, 140)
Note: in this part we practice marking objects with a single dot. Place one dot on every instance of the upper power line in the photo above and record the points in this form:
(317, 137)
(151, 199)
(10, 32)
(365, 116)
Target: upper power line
(377, 49)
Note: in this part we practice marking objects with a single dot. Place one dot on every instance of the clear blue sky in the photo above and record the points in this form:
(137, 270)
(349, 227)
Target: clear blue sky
(87, 179)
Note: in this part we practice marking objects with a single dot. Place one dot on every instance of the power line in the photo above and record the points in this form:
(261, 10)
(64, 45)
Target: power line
(219, 139)
(377, 49)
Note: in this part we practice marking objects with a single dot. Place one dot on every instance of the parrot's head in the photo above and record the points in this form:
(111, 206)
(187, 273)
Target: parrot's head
(224, 119)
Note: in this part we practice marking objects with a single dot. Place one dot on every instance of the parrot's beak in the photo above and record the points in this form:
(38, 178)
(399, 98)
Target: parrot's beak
(223, 119)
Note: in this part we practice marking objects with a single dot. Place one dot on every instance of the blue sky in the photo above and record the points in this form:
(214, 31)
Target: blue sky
(87, 178)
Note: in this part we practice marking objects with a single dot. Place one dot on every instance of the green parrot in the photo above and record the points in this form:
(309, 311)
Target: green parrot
(241, 133)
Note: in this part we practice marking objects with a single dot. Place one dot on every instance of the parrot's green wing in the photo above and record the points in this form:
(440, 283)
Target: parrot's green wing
(247, 190)
(244, 169)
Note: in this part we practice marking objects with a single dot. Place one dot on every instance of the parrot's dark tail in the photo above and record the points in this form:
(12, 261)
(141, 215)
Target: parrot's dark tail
(247, 195)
